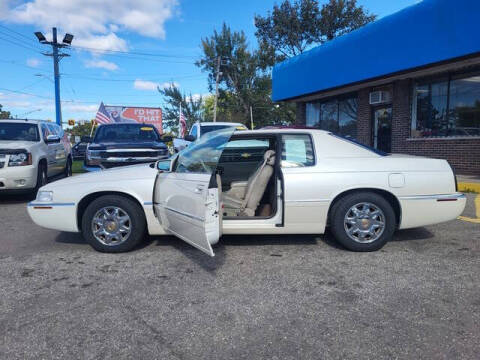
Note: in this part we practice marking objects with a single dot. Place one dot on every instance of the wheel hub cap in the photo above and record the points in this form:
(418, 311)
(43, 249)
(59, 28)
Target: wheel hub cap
(364, 222)
(111, 225)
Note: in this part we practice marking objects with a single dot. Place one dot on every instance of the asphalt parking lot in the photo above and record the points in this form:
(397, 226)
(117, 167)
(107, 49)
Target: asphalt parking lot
(288, 297)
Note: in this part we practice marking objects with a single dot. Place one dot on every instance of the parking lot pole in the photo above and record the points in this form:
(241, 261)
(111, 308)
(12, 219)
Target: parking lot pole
(58, 104)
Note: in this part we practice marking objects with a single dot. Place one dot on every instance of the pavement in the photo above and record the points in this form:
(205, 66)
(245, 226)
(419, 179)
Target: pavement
(275, 297)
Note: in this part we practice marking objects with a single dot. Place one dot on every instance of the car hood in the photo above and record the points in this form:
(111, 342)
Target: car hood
(133, 172)
(127, 145)
(15, 144)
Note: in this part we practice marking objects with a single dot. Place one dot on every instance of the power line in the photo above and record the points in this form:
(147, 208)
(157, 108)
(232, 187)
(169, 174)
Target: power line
(133, 53)
(20, 45)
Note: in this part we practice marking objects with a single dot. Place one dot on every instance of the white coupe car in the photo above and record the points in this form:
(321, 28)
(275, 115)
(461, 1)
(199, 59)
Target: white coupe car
(282, 181)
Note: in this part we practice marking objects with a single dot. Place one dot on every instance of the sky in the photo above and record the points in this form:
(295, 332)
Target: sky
(122, 49)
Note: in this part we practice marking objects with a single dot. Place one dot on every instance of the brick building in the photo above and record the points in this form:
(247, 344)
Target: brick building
(407, 83)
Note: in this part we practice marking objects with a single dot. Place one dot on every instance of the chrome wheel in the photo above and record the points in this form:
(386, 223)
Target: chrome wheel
(364, 222)
(111, 225)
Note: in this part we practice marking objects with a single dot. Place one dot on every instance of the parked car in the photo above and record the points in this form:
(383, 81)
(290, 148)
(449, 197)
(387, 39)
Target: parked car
(79, 150)
(31, 152)
(121, 144)
(280, 181)
(201, 128)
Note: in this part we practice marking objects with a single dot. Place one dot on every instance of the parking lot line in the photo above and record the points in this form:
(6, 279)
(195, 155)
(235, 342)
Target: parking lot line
(477, 212)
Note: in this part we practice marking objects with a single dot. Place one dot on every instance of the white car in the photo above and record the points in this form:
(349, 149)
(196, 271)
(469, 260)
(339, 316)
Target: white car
(199, 129)
(255, 182)
(30, 153)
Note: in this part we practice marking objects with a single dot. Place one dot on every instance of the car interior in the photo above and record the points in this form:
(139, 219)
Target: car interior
(247, 177)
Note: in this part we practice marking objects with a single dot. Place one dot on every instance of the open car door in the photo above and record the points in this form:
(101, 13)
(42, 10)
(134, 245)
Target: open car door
(187, 198)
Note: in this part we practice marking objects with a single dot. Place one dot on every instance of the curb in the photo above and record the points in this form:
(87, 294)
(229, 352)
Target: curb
(469, 187)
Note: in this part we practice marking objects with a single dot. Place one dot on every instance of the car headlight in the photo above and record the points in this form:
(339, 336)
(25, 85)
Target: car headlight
(20, 159)
(45, 196)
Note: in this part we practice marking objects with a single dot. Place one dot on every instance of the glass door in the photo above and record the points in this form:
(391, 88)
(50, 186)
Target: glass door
(382, 128)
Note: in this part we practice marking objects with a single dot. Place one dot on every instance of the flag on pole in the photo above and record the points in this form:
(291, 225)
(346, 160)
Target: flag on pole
(102, 117)
(182, 124)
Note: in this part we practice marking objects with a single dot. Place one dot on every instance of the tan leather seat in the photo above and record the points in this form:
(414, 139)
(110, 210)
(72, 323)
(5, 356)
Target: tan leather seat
(243, 197)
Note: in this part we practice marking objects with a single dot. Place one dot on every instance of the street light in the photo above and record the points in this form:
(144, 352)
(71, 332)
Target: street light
(56, 55)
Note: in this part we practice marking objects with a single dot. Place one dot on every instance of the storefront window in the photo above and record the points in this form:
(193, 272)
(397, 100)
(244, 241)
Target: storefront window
(447, 107)
(338, 116)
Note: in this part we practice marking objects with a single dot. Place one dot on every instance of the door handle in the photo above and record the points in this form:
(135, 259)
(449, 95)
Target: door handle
(198, 189)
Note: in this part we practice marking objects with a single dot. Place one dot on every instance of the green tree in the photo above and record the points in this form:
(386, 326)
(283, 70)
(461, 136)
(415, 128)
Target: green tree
(4, 114)
(192, 107)
(244, 82)
(83, 129)
(293, 27)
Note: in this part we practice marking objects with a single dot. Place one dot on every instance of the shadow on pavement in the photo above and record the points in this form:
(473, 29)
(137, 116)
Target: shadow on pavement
(19, 198)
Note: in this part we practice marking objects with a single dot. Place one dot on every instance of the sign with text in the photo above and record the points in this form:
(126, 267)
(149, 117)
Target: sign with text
(143, 115)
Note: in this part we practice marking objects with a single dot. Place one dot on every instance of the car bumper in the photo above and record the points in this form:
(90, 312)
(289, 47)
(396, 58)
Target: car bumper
(18, 178)
(422, 210)
(57, 216)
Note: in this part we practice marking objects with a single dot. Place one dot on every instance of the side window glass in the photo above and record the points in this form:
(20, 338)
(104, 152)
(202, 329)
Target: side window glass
(194, 131)
(45, 131)
(52, 129)
(297, 151)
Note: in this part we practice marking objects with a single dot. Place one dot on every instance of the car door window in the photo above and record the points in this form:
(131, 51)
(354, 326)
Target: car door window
(297, 151)
(45, 131)
(193, 132)
(203, 155)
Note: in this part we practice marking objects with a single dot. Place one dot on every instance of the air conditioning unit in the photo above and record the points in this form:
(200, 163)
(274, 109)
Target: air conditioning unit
(379, 97)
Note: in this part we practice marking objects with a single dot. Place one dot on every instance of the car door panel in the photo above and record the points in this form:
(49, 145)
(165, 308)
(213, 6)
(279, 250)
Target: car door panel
(188, 209)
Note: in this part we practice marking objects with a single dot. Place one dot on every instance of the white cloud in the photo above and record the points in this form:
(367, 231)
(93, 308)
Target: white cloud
(151, 85)
(94, 23)
(33, 62)
(101, 64)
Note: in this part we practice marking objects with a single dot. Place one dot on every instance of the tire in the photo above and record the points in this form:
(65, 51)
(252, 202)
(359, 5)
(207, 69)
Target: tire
(42, 177)
(123, 242)
(356, 221)
(68, 167)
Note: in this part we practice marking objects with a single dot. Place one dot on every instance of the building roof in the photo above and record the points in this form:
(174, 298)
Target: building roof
(429, 32)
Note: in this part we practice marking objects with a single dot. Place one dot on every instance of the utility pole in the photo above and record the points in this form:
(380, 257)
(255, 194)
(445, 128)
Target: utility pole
(57, 56)
(219, 60)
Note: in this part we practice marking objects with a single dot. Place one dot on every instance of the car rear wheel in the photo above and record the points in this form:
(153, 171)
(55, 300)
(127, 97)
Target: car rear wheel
(113, 223)
(363, 221)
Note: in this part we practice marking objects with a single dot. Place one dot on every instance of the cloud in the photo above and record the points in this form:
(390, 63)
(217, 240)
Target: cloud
(151, 85)
(101, 64)
(94, 23)
(33, 62)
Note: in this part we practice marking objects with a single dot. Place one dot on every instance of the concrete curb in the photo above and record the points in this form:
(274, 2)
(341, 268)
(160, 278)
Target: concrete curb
(469, 187)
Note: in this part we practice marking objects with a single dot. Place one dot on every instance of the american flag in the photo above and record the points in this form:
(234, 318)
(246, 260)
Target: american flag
(182, 125)
(102, 117)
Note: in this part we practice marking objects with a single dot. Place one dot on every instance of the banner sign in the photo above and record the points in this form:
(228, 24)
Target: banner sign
(143, 115)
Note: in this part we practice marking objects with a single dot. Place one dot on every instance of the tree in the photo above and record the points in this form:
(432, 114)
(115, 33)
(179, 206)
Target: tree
(192, 107)
(81, 129)
(4, 114)
(292, 28)
(244, 83)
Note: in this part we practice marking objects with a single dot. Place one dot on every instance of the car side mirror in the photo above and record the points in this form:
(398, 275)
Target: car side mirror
(86, 139)
(52, 139)
(163, 165)
(167, 138)
(190, 138)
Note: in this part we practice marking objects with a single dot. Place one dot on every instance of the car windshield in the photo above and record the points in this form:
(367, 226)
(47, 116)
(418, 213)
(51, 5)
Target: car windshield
(126, 133)
(203, 155)
(19, 132)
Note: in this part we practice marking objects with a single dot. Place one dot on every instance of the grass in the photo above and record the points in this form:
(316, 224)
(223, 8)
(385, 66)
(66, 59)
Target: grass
(77, 167)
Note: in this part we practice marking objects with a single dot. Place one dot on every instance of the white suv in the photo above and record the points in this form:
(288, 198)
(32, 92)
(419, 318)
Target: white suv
(30, 153)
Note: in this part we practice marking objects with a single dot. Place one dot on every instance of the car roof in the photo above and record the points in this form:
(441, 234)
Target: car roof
(220, 123)
(27, 121)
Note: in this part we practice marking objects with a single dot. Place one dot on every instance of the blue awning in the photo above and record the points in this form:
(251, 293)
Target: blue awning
(426, 33)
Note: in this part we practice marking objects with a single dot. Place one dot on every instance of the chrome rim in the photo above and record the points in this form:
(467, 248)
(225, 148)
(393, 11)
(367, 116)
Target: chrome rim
(43, 178)
(364, 222)
(111, 226)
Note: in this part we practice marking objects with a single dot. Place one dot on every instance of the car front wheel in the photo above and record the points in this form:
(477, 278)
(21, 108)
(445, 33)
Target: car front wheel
(68, 167)
(363, 221)
(113, 223)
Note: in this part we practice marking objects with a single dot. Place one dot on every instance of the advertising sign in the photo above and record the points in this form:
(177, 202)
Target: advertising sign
(144, 115)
